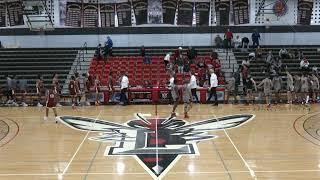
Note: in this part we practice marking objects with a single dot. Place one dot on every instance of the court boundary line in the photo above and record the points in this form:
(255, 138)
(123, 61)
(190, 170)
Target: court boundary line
(222, 161)
(177, 172)
(251, 171)
(79, 147)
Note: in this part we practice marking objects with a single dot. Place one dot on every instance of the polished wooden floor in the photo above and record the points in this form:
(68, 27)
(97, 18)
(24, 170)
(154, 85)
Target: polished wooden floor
(274, 145)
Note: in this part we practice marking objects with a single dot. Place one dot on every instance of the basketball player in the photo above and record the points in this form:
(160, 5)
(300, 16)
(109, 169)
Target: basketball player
(277, 81)
(40, 89)
(56, 85)
(187, 98)
(267, 86)
(51, 102)
(78, 89)
(97, 89)
(290, 87)
(314, 87)
(230, 89)
(175, 97)
(110, 85)
(88, 85)
(297, 87)
(73, 90)
(250, 86)
(304, 88)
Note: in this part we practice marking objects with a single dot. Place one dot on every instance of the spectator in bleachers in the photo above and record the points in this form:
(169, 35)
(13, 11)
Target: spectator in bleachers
(283, 53)
(252, 56)
(108, 46)
(255, 36)
(228, 36)
(193, 85)
(186, 64)
(269, 60)
(213, 55)
(304, 65)
(97, 53)
(277, 82)
(22, 88)
(57, 88)
(218, 41)
(298, 54)
(40, 89)
(238, 42)
(216, 64)
(213, 87)
(259, 53)
(201, 64)
(146, 59)
(277, 65)
(246, 62)
(245, 43)
(166, 60)
(124, 85)
(191, 54)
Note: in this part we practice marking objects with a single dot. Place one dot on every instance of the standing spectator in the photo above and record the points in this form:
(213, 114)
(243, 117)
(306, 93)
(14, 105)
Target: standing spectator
(124, 89)
(277, 82)
(245, 43)
(193, 86)
(228, 36)
(166, 60)
(218, 41)
(213, 87)
(304, 65)
(267, 86)
(146, 59)
(255, 38)
(108, 46)
(191, 54)
(237, 42)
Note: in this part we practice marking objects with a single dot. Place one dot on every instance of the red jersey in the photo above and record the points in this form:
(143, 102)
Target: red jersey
(72, 87)
(51, 98)
(228, 35)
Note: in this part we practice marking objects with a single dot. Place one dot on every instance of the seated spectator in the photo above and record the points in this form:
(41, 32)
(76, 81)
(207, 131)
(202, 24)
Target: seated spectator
(259, 53)
(191, 54)
(201, 64)
(304, 65)
(277, 64)
(283, 53)
(246, 62)
(238, 42)
(298, 54)
(252, 56)
(213, 55)
(97, 53)
(291, 54)
(245, 43)
(218, 41)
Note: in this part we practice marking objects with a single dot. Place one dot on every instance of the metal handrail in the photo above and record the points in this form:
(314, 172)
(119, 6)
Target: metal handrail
(83, 50)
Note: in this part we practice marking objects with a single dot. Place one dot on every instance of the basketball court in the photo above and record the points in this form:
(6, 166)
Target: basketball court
(277, 143)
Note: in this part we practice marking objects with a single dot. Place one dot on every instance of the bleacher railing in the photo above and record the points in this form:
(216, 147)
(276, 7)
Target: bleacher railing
(80, 57)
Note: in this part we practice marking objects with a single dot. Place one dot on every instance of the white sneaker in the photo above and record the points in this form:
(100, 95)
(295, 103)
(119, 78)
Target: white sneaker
(15, 104)
(39, 105)
(45, 118)
(57, 119)
(24, 104)
(59, 105)
(88, 103)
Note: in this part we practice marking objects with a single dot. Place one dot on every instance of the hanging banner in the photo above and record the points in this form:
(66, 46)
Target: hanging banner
(169, 11)
(107, 13)
(185, 13)
(140, 8)
(124, 14)
(305, 11)
(240, 12)
(202, 13)
(155, 12)
(15, 12)
(73, 14)
(2, 15)
(90, 15)
(222, 12)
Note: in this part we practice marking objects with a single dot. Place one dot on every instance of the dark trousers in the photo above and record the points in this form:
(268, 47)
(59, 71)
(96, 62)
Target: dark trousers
(255, 44)
(194, 94)
(123, 96)
(213, 92)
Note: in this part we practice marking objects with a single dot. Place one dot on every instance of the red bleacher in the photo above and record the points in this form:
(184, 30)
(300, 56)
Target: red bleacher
(138, 72)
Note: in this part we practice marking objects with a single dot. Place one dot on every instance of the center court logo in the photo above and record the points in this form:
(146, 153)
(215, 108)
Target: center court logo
(156, 143)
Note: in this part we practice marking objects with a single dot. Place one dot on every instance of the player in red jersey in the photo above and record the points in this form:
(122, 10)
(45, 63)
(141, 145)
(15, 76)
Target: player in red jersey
(73, 90)
(57, 88)
(78, 90)
(88, 85)
(51, 102)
